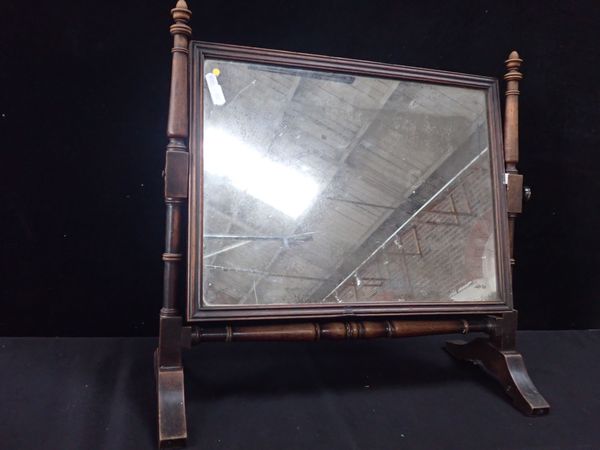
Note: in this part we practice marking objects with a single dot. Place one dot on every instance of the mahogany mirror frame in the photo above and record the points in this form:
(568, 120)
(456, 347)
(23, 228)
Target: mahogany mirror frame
(498, 320)
(199, 51)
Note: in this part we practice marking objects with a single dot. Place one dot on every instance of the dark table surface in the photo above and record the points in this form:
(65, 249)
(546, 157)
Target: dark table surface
(98, 393)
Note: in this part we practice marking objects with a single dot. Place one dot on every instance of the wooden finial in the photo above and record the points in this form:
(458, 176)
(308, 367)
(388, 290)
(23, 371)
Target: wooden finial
(513, 63)
(514, 55)
(181, 15)
(178, 107)
(511, 117)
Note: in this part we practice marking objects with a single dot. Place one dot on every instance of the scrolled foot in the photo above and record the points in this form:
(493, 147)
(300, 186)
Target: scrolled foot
(508, 367)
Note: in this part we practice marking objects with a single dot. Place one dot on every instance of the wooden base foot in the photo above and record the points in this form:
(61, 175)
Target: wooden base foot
(172, 430)
(508, 367)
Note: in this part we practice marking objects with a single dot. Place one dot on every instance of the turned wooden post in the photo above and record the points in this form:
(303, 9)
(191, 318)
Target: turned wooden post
(172, 429)
(176, 167)
(514, 180)
(498, 354)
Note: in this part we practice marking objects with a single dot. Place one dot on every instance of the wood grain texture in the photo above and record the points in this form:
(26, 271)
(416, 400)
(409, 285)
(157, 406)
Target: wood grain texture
(172, 427)
(316, 331)
(499, 357)
(511, 144)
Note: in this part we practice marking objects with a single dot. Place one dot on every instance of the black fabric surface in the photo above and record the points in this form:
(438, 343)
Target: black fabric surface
(98, 393)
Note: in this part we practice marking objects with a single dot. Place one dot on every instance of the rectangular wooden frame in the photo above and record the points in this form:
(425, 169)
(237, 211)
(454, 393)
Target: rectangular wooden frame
(197, 313)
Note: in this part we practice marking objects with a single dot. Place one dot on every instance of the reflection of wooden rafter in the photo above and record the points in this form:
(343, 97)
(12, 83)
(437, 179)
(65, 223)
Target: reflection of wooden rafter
(396, 251)
(352, 146)
(404, 254)
(230, 218)
(413, 231)
(464, 190)
(433, 222)
(369, 281)
(264, 273)
(222, 295)
(453, 212)
(416, 219)
(233, 221)
(407, 275)
(356, 202)
(225, 249)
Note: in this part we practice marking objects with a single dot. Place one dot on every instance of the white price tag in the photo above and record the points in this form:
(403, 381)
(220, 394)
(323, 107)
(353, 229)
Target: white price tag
(215, 90)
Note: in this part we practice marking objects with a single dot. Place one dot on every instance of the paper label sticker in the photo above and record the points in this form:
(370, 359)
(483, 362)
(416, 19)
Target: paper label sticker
(215, 90)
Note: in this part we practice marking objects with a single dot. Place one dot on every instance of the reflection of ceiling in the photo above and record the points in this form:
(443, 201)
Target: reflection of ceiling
(376, 148)
(443, 250)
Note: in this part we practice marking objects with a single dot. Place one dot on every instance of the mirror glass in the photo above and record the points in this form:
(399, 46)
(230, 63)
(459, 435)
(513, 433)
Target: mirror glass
(325, 188)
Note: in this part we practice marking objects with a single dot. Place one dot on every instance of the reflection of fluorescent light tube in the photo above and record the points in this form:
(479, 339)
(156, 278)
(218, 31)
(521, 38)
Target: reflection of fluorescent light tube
(274, 183)
(290, 71)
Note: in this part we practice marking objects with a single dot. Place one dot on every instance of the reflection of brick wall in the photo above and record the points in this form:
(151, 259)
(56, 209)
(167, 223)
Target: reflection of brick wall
(438, 253)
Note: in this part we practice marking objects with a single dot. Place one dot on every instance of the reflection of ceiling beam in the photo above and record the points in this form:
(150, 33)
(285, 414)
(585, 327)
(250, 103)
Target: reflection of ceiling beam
(471, 131)
(302, 237)
(387, 214)
(263, 273)
(433, 222)
(355, 139)
(289, 97)
(341, 166)
(352, 146)
(225, 249)
(221, 292)
(293, 89)
(411, 219)
(447, 167)
(233, 220)
(355, 202)
(450, 213)
(261, 277)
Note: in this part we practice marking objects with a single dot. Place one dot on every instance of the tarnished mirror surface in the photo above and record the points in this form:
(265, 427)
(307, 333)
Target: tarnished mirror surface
(324, 188)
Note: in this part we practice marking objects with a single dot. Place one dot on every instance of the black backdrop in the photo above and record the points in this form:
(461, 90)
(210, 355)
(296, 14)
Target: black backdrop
(84, 89)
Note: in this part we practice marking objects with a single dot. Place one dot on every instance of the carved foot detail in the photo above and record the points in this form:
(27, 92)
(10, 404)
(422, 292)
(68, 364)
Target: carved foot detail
(172, 429)
(508, 367)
